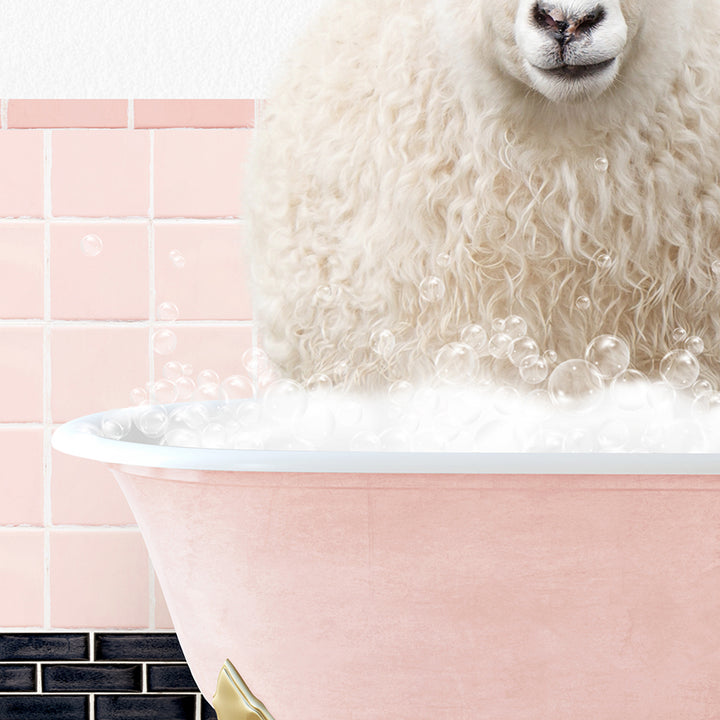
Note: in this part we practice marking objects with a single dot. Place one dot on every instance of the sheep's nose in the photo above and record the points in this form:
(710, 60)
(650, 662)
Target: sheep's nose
(564, 25)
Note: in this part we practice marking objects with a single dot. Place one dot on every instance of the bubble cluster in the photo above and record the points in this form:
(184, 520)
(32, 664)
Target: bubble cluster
(601, 164)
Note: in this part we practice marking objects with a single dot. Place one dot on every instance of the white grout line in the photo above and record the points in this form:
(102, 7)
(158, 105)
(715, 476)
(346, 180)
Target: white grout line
(4, 114)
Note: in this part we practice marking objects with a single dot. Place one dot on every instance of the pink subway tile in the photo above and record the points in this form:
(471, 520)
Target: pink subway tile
(21, 480)
(21, 270)
(112, 284)
(21, 182)
(22, 554)
(212, 348)
(94, 368)
(67, 113)
(98, 579)
(21, 374)
(199, 173)
(163, 621)
(97, 173)
(213, 282)
(194, 113)
(86, 493)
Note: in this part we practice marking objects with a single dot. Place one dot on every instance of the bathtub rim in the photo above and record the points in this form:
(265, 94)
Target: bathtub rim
(73, 438)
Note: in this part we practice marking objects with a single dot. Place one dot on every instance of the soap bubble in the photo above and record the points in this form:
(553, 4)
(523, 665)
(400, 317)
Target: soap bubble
(256, 361)
(213, 435)
(680, 369)
(319, 382)
(187, 369)
(443, 260)
(152, 421)
(499, 345)
(515, 326)
(575, 385)
(208, 377)
(185, 387)
(701, 388)
(601, 164)
(195, 415)
(582, 302)
(163, 391)
(164, 341)
(679, 334)
(285, 398)
(456, 363)
(523, 348)
(609, 354)
(138, 396)
(579, 440)
(695, 345)
(550, 356)
(237, 387)
(382, 342)
(177, 259)
(432, 289)
(168, 311)
(172, 370)
(210, 391)
(534, 370)
(400, 393)
(92, 245)
(181, 437)
(475, 336)
(498, 325)
(630, 389)
(116, 425)
(715, 267)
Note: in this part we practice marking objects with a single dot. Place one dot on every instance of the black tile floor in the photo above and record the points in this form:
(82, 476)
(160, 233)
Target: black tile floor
(105, 675)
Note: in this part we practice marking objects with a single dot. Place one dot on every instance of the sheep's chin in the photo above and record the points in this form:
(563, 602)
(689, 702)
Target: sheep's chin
(583, 85)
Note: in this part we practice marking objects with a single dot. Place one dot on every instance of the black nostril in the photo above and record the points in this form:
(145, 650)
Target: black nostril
(562, 25)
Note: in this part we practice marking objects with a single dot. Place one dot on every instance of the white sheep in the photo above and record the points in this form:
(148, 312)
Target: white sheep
(526, 153)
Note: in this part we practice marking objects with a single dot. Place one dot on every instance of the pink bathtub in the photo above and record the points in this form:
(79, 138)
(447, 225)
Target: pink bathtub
(411, 586)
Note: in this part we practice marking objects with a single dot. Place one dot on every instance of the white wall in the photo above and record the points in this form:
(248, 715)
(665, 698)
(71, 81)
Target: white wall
(145, 48)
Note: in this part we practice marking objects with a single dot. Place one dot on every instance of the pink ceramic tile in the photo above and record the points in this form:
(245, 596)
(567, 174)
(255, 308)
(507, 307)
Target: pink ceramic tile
(194, 113)
(21, 578)
(215, 348)
(21, 191)
(94, 368)
(98, 579)
(98, 173)
(21, 480)
(21, 374)
(163, 621)
(112, 284)
(199, 173)
(213, 282)
(67, 113)
(86, 493)
(21, 270)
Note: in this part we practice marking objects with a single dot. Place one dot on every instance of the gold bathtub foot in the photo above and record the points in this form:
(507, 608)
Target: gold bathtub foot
(233, 700)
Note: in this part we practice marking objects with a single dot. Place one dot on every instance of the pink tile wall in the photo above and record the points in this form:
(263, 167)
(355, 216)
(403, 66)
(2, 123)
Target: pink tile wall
(139, 178)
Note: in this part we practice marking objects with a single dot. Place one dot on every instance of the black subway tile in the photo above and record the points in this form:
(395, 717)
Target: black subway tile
(138, 646)
(92, 678)
(161, 678)
(17, 678)
(207, 711)
(44, 646)
(43, 707)
(145, 707)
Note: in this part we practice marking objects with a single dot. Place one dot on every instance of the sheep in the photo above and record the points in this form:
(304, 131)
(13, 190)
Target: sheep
(425, 165)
